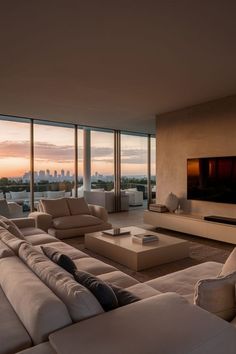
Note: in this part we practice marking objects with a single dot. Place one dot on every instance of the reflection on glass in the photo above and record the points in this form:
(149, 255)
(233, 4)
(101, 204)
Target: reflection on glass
(53, 161)
(15, 165)
(134, 168)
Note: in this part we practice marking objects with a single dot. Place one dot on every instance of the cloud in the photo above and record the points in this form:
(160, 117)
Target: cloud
(65, 153)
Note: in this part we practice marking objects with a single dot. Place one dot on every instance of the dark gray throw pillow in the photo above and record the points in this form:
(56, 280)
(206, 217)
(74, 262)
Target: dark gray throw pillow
(124, 297)
(59, 258)
(101, 290)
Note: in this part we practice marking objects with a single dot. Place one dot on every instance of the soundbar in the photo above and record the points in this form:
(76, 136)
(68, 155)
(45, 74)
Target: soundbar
(221, 219)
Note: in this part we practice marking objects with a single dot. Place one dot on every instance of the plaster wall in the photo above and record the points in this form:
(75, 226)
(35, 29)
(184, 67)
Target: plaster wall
(200, 131)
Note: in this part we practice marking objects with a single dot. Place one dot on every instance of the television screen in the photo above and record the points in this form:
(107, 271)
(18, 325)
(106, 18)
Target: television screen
(212, 179)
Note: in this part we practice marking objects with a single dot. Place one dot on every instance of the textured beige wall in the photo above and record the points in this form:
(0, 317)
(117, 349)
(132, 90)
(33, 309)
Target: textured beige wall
(200, 131)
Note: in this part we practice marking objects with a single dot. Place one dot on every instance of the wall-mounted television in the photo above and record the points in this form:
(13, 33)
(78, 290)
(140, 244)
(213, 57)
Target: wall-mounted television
(212, 179)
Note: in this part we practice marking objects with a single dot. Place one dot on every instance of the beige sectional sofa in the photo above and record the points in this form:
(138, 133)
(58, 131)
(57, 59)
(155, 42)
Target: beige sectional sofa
(44, 311)
(70, 217)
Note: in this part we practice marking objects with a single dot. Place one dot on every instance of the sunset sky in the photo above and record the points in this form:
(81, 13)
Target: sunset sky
(54, 150)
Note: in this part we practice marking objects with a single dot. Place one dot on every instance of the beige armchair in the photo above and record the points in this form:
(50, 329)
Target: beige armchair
(70, 217)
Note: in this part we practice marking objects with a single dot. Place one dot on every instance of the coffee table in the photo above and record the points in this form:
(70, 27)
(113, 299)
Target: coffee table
(124, 250)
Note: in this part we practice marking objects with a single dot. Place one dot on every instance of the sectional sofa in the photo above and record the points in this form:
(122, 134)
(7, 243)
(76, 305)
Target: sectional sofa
(45, 311)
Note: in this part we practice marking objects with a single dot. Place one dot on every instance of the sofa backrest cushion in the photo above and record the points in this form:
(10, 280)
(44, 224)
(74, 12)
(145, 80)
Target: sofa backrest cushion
(79, 301)
(10, 240)
(217, 295)
(4, 210)
(55, 207)
(230, 264)
(40, 311)
(5, 251)
(78, 206)
(11, 227)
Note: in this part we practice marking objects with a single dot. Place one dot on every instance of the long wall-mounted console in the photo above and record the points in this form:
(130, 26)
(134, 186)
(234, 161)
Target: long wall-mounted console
(192, 224)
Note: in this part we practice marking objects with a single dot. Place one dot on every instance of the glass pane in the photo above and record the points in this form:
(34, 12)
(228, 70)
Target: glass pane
(15, 166)
(53, 161)
(153, 168)
(102, 160)
(134, 169)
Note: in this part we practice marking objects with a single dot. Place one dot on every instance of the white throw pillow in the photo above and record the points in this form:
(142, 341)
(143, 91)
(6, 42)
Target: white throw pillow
(172, 202)
(19, 195)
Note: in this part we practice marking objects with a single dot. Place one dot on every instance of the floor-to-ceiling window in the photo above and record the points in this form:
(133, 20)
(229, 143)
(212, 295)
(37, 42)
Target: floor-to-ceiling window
(102, 160)
(134, 168)
(54, 160)
(15, 161)
(153, 168)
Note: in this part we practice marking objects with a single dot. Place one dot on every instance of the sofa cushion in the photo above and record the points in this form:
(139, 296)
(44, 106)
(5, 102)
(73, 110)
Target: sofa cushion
(74, 221)
(29, 231)
(55, 207)
(40, 239)
(13, 335)
(40, 311)
(5, 251)
(78, 206)
(80, 302)
(230, 264)
(143, 291)
(217, 295)
(118, 278)
(4, 209)
(70, 251)
(10, 240)
(184, 281)
(43, 348)
(124, 296)
(11, 227)
(93, 266)
(78, 231)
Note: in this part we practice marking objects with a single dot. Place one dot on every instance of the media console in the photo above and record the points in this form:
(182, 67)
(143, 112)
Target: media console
(192, 224)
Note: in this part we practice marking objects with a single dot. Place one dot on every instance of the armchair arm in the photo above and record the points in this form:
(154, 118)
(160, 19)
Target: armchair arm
(165, 323)
(43, 221)
(24, 222)
(98, 211)
(15, 209)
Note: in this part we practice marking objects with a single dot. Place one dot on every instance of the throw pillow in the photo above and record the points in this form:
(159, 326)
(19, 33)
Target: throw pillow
(78, 206)
(11, 227)
(101, 290)
(172, 202)
(217, 295)
(230, 264)
(124, 296)
(59, 258)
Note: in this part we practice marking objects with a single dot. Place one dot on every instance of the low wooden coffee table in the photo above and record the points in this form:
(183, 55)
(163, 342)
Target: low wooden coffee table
(136, 256)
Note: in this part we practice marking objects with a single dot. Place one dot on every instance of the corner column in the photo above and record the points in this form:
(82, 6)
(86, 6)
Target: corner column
(87, 159)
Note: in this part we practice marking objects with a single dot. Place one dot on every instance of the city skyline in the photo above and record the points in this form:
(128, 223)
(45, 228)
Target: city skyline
(54, 150)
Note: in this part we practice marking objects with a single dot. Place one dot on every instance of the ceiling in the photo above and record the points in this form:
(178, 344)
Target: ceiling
(114, 63)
